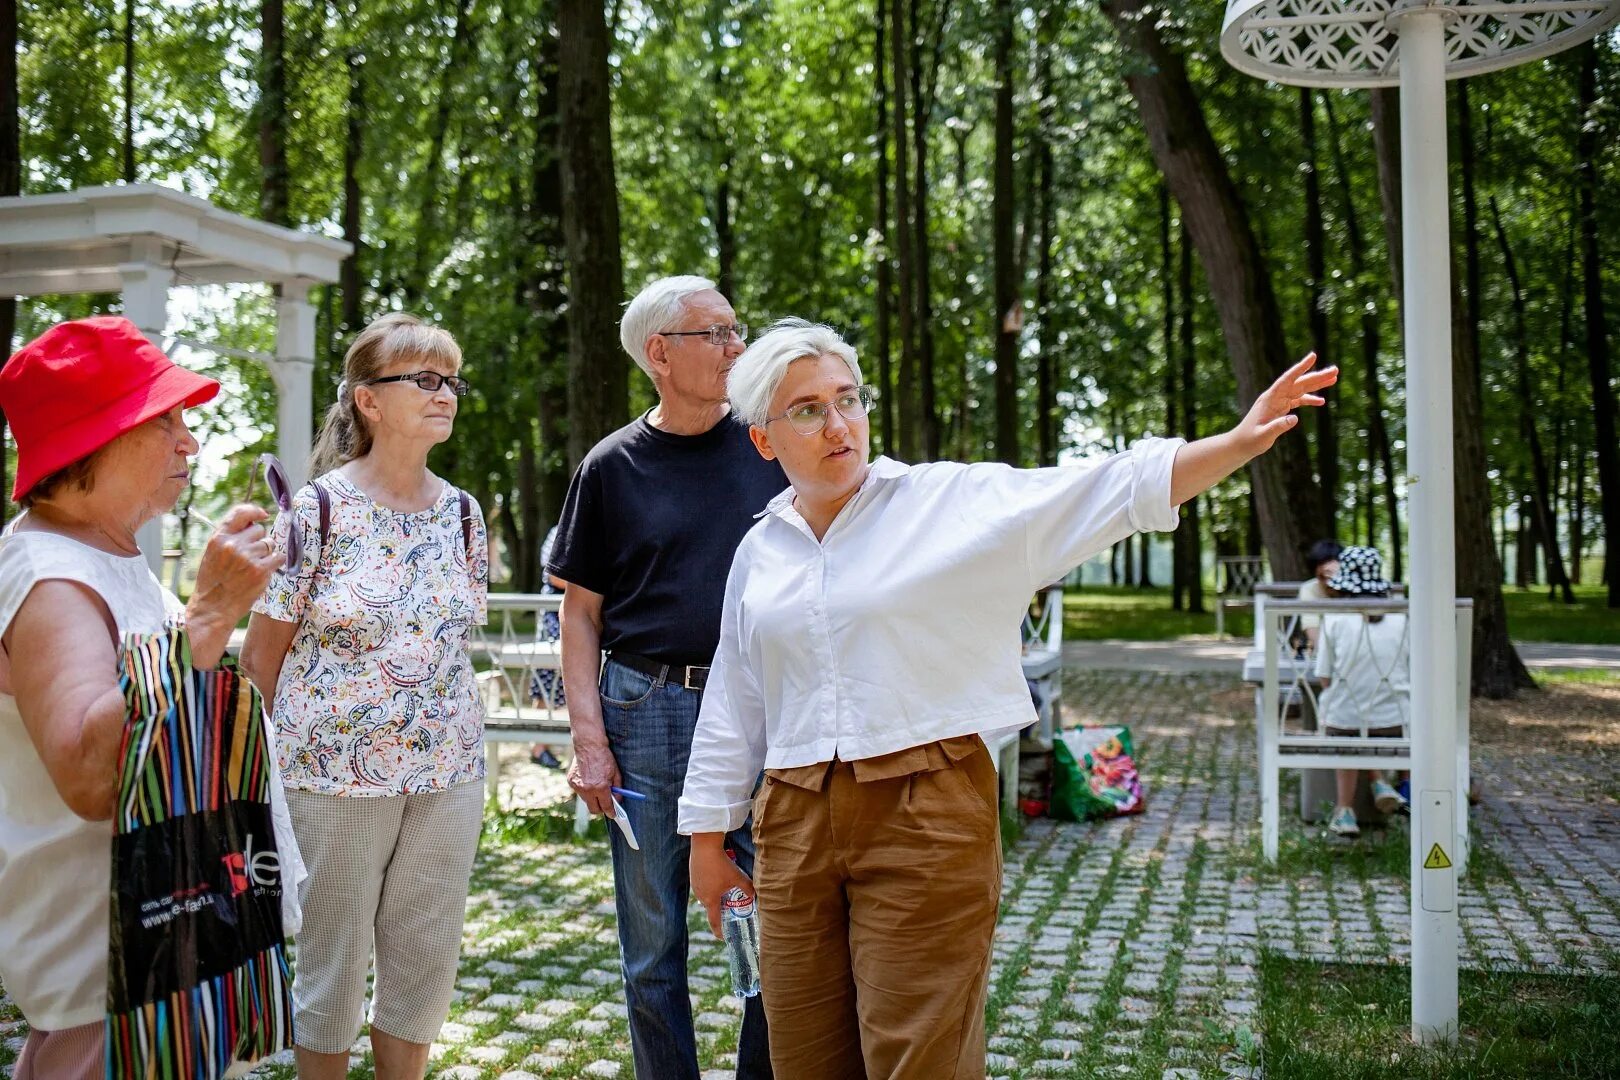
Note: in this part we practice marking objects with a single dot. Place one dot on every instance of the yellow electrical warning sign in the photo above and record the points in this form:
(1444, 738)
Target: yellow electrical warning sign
(1437, 859)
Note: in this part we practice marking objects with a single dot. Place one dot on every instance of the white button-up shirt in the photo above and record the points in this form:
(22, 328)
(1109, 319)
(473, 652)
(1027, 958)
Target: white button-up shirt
(901, 626)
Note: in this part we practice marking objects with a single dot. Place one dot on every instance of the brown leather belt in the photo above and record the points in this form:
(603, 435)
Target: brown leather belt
(686, 676)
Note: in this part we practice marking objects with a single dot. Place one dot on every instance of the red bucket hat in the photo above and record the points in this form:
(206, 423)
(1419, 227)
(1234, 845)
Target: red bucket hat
(80, 385)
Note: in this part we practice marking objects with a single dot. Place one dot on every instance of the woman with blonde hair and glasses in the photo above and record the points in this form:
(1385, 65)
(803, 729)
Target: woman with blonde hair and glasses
(868, 646)
(363, 650)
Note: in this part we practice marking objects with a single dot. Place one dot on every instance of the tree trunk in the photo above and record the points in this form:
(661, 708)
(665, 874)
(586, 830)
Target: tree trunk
(598, 382)
(541, 261)
(1498, 671)
(1470, 229)
(1386, 125)
(129, 91)
(910, 419)
(1167, 292)
(1289, 506)
(885, 268)
(1541, 490)
(1566, 319)
(272, 114)
(1008, 319)
(1046, 410)
(1597, 325)
(1577, 512)
(1377, 429)
(1192, 549)
(724, 238)
(353, 147)
(10, 184)
(922, 107)
(1524, 562)
(1327, 442)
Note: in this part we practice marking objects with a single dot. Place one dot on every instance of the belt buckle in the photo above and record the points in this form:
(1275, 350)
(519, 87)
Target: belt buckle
(686, 677)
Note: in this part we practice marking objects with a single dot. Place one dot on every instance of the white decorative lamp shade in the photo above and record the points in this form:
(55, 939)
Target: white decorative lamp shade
(1352, 42)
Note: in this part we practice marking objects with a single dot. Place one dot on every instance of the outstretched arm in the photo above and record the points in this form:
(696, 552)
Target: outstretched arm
(1203, 464)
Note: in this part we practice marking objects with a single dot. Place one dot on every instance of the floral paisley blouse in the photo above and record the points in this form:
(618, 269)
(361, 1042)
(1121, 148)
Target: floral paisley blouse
(377, 695)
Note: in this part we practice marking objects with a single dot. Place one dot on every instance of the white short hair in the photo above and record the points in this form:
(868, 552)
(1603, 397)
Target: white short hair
(758, 373)
(655, 309)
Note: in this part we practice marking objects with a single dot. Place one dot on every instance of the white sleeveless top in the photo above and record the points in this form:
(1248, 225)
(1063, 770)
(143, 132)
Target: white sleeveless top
(55, 867)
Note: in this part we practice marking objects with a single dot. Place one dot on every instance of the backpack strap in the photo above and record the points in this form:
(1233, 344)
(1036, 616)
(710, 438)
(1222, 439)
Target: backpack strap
(466, 523)
(324, 500)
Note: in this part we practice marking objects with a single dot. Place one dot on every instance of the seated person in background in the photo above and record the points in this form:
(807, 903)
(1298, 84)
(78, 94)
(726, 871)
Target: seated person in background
(1323, 561)
(1364, 665)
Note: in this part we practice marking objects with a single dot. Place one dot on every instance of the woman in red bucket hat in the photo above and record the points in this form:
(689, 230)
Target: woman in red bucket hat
(102, 448)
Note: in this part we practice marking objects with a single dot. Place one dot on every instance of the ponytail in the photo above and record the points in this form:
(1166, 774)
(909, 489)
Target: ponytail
(344, 435)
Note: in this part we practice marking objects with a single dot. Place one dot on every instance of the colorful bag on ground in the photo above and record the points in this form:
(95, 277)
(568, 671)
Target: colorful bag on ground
(197, 975)
(1094, 774)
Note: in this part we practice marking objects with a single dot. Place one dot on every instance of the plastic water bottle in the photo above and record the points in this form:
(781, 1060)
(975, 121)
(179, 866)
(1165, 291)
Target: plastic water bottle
(739, 921)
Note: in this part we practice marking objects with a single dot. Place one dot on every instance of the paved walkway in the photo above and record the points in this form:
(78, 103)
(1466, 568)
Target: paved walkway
(1190, 655)
(1125, 948)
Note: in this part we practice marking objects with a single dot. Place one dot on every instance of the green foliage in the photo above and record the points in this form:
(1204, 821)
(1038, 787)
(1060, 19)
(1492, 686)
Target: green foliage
(775, 101)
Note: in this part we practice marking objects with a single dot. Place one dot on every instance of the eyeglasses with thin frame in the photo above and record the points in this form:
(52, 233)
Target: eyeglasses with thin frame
(809, 417)
(718, 334)
(275, 478)
(427, 380)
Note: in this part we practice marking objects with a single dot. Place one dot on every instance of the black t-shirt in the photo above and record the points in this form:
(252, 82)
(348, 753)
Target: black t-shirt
(651, 522)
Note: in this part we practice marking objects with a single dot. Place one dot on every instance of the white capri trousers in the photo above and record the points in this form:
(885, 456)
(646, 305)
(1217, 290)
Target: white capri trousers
(392, 872)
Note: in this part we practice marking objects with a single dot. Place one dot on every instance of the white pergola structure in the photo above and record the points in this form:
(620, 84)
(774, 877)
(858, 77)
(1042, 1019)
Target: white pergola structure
(1417, 45)
(141, 240)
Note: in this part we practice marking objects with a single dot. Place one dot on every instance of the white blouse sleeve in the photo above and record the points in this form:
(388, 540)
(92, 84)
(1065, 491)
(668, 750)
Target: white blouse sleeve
(728, 747)
(1073, 512)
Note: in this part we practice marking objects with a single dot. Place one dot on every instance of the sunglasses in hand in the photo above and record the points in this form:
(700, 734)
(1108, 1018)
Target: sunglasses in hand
(275, 478)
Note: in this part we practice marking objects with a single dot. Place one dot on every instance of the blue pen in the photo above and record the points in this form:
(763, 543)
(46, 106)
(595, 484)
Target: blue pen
(627, 793)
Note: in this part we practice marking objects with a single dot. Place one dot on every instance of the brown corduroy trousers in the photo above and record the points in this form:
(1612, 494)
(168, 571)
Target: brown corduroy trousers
(878, 886)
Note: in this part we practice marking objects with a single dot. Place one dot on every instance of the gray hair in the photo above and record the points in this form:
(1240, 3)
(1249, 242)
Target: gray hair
(654, 310)
(758, 373)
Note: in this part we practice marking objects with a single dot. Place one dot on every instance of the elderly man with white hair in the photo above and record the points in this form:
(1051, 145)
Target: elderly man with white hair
(868, 644)
(652, 518)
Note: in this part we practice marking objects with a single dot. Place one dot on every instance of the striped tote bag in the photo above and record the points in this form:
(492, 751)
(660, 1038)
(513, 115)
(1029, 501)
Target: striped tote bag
(197, 976)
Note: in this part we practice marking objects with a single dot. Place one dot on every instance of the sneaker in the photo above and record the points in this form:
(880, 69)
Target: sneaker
(1386, 798)
(1343, 822)
(545, 758)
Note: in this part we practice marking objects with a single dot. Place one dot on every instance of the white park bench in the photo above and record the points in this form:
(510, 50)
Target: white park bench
(1042, 660)
(1284, 673)
(512, 649)
(1235, 579)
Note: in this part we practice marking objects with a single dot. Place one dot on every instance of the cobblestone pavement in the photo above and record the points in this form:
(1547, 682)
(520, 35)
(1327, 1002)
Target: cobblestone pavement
(1125, 948)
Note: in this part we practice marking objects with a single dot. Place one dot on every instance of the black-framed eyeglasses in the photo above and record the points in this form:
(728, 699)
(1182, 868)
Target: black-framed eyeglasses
(275, 478)
(427, 380)
(718, 334)
(809, 417)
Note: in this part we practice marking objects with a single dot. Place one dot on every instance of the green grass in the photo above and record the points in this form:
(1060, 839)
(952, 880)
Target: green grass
(1532, 617)
(1115, 611)
(1352, 1022)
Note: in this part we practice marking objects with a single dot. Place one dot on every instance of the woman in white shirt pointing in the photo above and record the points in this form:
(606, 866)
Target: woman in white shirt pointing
(869, 640)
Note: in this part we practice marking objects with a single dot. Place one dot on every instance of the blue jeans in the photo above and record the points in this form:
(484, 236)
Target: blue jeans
(649, 729)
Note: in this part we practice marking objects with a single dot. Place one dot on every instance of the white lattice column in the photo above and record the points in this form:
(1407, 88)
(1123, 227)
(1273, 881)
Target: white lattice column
(146, 281)
(294, 370)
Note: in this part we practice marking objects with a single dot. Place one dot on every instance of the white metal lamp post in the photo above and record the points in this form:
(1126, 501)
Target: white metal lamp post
(1417, 45)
